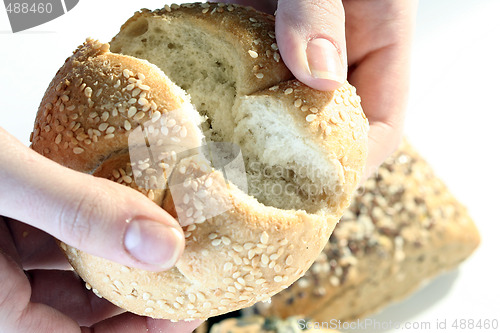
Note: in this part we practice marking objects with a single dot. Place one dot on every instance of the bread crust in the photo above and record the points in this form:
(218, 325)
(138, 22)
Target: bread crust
(404, 228)
(247, 32)
(241, 256)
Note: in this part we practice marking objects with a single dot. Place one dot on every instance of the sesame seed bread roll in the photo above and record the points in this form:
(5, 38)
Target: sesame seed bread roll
(242, 246)
(403, 229)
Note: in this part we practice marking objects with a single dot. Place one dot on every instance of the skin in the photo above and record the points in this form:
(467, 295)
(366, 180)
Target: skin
(39, 293)
(373, 39)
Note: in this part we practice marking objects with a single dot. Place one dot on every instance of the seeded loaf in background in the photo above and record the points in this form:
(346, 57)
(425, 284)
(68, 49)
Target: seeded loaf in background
(404, 228)
(225, 57)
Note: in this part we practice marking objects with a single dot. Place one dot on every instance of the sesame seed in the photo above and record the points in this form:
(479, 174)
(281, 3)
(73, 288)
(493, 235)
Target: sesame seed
(64, 98)
(141, 101)
(88, 92)
(228, 266)
(274, 46)
(265, 259)
(289, 260)
(139, 115)
(136, 92)
(78, 150)
(93, 115)
(251, 19)
(216, 242)
(126, 125)
(253, 54)
(264, 238)
(238, 260)
(130, 86)
(288, 91)
(259, 75)
(109, 136)
(105, 116)
(141, 76)
(278, 278)
(110, 130)
(204, 10)
(237, 247)
(156, 116)
(143, 87)
(146, 296)
(102, 127)
(212, 236)
(311, 118)
(227, 280)
(225, 240)
(276, 57)
(260, 281)
(314, 110)
(132, 111)
(127, 73)
(304, 108)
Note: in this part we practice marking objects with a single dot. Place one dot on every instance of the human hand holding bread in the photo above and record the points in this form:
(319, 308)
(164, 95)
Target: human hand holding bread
(100, 210)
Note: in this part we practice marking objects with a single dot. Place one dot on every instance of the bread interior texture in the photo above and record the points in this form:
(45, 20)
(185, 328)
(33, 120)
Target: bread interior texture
(204, 66)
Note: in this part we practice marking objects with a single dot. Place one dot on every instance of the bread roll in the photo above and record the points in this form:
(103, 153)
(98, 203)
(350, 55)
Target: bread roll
(404, 228)
(225, 57)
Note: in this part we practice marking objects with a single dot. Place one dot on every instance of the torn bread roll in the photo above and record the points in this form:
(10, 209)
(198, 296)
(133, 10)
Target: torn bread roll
(102, 109)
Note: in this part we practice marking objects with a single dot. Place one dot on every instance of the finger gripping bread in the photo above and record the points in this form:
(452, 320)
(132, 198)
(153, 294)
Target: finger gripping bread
(312, 142)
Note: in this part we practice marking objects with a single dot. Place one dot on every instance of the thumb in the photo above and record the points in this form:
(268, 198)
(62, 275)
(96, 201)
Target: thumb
(92, 214)
(311, 39)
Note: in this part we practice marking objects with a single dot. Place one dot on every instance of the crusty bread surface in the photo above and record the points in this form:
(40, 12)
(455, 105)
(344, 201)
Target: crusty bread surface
(402, 229)
(290, 135)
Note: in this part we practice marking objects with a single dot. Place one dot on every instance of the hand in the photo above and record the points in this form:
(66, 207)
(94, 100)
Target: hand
(318, 39)
(39, 293)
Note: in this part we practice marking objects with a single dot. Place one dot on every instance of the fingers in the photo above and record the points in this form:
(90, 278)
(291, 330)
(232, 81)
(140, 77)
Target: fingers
(311, 40)
(65, 292)
(93, 214)
(36, 249)
(379, 36)
(18, 314)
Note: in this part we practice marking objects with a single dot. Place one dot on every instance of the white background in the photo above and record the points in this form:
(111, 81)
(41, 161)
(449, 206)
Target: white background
(453, 120)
